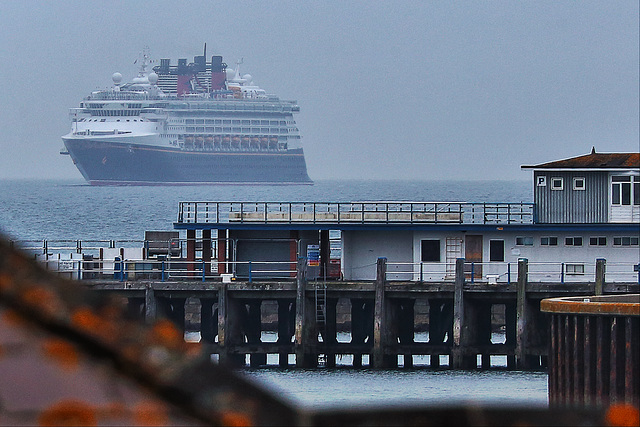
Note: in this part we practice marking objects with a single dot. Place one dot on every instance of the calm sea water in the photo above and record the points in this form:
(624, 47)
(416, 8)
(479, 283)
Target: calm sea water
(73, 210)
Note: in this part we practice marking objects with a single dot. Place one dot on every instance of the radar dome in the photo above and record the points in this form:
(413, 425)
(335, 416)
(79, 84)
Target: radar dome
(247, 78)
(117, 78)
(153, 78)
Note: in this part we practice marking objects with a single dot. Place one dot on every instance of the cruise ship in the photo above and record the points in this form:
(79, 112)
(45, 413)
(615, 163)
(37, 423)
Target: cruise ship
(190, 123)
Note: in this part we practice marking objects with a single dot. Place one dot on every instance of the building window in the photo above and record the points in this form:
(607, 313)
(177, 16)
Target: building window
(549, 241)
(496, 250)
(625, 241)
(625, 190)
(431, 251)
(557, 183)
(524, 241)
(578, 183)
(597, 241)
(574, 268)
(573, 241)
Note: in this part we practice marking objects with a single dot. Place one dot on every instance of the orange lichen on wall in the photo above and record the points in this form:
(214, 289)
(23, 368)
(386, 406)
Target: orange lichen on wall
(622, 415)
(165, 333)
(150, 413)
(42, 299)
(62, 352)
(68, 413)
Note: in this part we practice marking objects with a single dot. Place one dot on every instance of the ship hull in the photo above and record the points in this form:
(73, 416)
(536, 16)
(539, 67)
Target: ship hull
(115, 163)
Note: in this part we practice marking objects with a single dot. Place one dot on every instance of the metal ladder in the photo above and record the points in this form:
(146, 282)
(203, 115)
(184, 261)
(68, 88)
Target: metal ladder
(321, 313)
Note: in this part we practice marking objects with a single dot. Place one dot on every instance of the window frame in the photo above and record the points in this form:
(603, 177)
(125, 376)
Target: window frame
(555, 179)
(572, 239)
(492, 248)
(525, 240)
(431, 251)
(574, 269)
(578, 179)
(599, 241)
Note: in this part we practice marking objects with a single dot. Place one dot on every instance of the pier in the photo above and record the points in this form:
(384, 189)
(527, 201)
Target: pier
(382, 317)
(387, 284)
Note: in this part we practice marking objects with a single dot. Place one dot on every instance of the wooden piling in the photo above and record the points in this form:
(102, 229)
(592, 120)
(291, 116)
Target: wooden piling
(457, 355)
(600, 272)
(521, 314)
(150, 308)
(306, 335)
(380, 315)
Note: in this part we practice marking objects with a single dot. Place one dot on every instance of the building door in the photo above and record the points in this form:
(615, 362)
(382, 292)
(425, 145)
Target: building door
(473, 253)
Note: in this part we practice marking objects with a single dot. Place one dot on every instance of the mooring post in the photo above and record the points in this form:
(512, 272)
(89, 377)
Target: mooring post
(229, 327)
(600, 271)
(150, 308)
(379, 316)
(458, 316)
(305, 326)
(522, 338)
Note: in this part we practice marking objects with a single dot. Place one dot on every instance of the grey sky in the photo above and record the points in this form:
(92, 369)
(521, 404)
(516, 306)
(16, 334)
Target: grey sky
(387, 89)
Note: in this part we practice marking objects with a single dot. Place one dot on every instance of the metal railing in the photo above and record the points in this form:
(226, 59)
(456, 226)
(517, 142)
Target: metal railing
(355, 212)
(506, 272)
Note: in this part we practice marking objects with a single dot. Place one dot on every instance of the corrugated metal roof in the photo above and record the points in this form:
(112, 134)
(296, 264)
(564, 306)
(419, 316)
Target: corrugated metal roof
(593, 161)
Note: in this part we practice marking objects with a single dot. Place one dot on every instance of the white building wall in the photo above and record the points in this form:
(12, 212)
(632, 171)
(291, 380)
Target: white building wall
(361, 250)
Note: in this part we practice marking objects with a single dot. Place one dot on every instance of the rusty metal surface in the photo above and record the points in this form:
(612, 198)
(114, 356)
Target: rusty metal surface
(594, 360)
(611, 305)
(593, 161)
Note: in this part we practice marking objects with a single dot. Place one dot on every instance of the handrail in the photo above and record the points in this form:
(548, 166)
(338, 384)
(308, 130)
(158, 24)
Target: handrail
(392, 212)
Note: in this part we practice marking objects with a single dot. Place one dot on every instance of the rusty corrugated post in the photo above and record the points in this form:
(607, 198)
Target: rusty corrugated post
(600, 272)
(594, 350)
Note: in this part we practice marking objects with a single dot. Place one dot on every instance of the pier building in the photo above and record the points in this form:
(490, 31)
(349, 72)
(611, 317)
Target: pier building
(467, 268)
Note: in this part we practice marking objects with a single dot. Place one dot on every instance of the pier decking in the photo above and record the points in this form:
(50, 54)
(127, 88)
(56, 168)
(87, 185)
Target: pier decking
(382, 317)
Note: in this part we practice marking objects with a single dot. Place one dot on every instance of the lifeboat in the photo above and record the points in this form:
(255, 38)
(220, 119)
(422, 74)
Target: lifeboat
(188, 140)
(199, 141)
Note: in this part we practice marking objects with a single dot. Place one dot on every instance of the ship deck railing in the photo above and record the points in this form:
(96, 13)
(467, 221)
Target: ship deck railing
(355, 212)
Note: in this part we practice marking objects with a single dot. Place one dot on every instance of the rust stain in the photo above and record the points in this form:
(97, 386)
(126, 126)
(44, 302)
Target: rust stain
(587, 306)
(594, 160)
